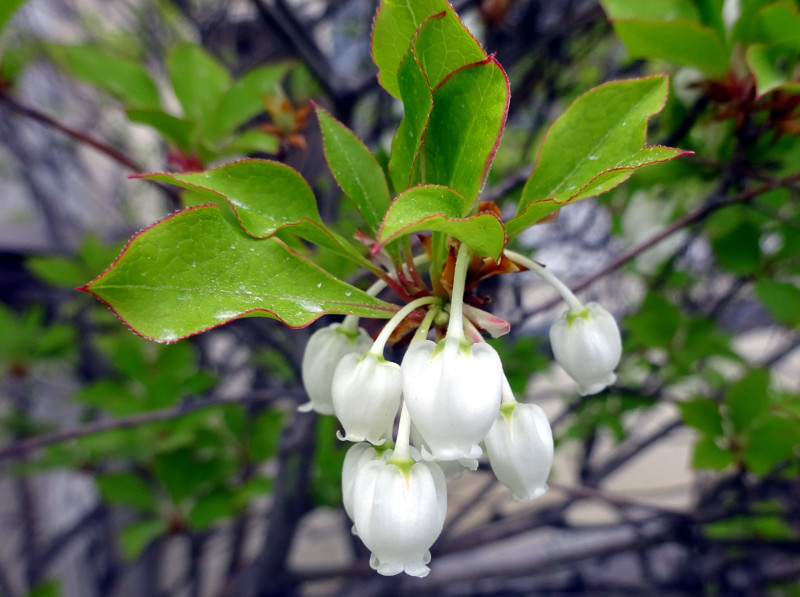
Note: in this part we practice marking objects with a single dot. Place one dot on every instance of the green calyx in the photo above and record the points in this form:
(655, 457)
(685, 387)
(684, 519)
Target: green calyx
(507, 410)
(573, 315)
(405, 464)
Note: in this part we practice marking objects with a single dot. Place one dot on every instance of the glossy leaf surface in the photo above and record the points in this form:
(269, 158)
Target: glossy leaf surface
(440, 209)
(193, 271)
(466, 123)
(395, 25)
(594, 146)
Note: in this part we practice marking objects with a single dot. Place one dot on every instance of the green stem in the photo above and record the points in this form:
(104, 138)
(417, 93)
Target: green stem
(422, 330)
(575, 306)
(455, 328)
(383, 337)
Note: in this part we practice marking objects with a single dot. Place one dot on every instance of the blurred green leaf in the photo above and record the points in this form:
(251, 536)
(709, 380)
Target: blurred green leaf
(7, 10)
(211, 508)
(703, 415)
(770, 442)
(265, 434)
(738, 250)
(57, 271)
(680, 41)
(48, 588)
(174, 129)
(748, 399)
(126, 489)
(182, 474)
(124, 79)
(781, 299)
(656, 323)
(135, 537)
(707, 454)
(200, 82)
(245, 99)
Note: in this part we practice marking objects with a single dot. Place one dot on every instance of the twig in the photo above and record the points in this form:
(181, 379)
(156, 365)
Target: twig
(80, 136)
(22, 448)
(697, 215)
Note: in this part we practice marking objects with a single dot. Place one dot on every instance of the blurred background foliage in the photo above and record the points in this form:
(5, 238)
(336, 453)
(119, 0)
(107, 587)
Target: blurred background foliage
(131, 468)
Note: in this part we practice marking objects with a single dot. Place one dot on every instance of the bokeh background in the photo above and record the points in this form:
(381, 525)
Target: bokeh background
(135, 469)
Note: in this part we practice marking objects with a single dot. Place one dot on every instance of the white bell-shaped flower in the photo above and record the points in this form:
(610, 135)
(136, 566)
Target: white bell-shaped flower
(588, 346)
(452, 391)
(354, 460)
(399, 510)
(452, 469)
(324, 350)
(366, 396)
(520, 449)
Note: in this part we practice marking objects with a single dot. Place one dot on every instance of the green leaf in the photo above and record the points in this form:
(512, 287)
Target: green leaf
(193, 271)
(748, 399)
(780, 24)
(57, 271)
(465, 127)
(174, 129)
(594, 146)
(738, 250)
(440, 209)
(781, 299)
(135, 537)
(707, 454)
(417, 103)
(210, 508)
(656, 323)
(48, 588)
(265, 435)
(443, 45)
(124, 79)
(683, 42)
(7, 10)
(703, 415)
(199, 81)
(245, 99)
(254, 141)
(663, 10)
(263, 197)
(772, 68)
(393, 30)
(355, 169)
(771, 442)
(126, 489)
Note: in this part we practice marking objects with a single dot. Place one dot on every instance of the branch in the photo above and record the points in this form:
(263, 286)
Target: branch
(22, 448)
(79, 136)
(692, 217)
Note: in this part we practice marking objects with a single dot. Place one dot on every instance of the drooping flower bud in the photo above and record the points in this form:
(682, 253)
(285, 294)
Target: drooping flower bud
(588, 346)
(399, 510)
(366, 396)
(520, 449)
(452, 391)
(324, 350)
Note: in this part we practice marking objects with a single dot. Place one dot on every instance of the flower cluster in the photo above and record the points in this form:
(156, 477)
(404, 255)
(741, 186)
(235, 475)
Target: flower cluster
(453, 401)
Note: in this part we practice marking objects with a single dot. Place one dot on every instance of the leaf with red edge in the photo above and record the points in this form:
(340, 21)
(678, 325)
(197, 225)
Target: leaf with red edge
(441, 209)
(265, 198)
(393, 30)
(193, 271)
(594, 146)
(465, 127)
(355, 169)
